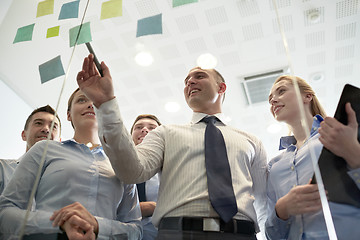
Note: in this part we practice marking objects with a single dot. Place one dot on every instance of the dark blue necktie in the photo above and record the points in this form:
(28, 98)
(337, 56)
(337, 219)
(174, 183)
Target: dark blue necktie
(221, 192)
(141, 191)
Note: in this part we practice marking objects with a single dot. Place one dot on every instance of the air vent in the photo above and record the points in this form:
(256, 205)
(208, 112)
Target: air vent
(257, 87)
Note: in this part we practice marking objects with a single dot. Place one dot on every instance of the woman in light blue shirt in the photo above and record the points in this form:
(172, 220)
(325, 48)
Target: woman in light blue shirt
(77, 182)
(294, 207)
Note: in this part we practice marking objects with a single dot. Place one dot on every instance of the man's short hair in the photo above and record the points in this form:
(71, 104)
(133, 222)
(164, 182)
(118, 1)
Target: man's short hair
(153, 117)
(46, 109)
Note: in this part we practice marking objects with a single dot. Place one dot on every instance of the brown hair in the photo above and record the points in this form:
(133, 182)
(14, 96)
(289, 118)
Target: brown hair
(304, 87)
(144, 116)
(46, 109)
(71, 98)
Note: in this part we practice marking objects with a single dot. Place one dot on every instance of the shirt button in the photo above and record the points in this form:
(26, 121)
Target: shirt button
(292, 168)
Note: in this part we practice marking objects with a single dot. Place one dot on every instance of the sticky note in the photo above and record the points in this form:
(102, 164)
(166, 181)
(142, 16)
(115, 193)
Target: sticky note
(177, 3)
(69, 10)
(84, 36)
(110, 9)
(51, 69)
(149, 25)
(52, 32)
(24, 33)
(45, 8)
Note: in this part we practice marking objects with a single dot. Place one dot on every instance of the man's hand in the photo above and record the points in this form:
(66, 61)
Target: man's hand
(78, 229)
(98, 89)
(299, 200)
(60, 217)
(342, 139)
(147, 208)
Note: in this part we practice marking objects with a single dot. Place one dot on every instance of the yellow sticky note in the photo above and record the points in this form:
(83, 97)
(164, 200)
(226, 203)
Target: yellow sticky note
(53, 32)
(45, 8)
(110, 9)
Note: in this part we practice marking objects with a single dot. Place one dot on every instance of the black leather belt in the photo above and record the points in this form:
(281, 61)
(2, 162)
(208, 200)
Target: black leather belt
(42, 236)
(207, 224)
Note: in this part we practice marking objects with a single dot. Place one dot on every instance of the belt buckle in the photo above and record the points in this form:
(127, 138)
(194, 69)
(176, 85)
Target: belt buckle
(211, 224)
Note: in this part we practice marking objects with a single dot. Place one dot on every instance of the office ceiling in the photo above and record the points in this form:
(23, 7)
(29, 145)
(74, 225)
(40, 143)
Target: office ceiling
(323, 39)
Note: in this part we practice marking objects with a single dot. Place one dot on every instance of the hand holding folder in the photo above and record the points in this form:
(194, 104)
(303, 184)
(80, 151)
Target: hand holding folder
(334, 169)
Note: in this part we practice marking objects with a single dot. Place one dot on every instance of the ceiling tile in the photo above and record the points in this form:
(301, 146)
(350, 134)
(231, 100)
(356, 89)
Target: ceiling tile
(346, 8)
(253, 31)
(216, 16)
(248, 8)
(345, 31)
(223, 39)
(315, 39)
(187, 24)
(345, 52)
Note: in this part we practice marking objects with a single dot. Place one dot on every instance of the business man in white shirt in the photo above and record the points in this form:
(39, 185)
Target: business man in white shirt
(184, 210)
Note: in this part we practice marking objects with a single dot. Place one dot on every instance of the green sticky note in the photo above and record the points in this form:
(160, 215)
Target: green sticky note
(53, 32)
(51, 69)
(149, 25)
(24, 33)
(69, 10)
(45, 8)
(110, 9)
(84, 36)
(177, 3)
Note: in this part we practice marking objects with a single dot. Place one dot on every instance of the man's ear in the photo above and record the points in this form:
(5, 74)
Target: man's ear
(68, 116)
(23, 135)
(222, 87)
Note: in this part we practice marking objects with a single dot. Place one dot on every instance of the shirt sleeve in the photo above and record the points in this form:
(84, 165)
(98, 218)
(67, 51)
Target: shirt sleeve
(128, 221)
(355, 175)
(130, 165)
(259, 176)
(275, 228)
(13, 202)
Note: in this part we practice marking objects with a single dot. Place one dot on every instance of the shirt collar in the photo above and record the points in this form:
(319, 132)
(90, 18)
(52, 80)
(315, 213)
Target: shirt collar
(197, 116)
(72, 141)
(287, 141)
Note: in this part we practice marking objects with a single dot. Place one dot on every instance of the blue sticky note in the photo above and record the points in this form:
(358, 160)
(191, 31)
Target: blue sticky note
(24, 33)
(83, 37)
(69, 10)
(51, 69)
(149, 25)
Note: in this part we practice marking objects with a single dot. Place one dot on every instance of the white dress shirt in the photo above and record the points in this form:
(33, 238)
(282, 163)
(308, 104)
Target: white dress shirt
(178, 151)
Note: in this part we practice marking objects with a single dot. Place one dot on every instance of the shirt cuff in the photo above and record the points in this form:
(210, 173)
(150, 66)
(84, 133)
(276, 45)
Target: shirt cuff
(104, 228)
(355, 175)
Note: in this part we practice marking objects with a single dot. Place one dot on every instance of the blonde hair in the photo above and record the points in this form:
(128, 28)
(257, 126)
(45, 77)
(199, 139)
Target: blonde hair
(304, 87)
